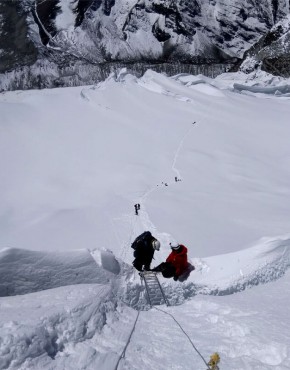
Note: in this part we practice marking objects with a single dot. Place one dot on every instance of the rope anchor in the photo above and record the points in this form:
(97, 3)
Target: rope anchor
(214, 360)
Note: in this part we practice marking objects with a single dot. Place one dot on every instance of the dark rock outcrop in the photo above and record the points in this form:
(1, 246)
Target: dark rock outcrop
(16, 47)
(272, 52)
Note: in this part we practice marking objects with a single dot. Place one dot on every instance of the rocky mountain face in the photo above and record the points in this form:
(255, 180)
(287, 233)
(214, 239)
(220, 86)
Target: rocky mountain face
(61, 34)
(16, 47)
(272, 52)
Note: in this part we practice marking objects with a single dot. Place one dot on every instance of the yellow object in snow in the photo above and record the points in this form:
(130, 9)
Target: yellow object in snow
(214, 360)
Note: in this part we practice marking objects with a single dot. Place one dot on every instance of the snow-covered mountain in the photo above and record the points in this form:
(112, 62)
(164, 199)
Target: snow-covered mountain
(69, 32)
(73, 163)
(107, 30)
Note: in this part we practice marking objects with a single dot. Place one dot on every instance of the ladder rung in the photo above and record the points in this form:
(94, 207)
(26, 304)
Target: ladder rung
(154, 290)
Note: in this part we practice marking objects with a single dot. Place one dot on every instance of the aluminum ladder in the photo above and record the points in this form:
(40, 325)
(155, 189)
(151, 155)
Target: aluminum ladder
(155, 293)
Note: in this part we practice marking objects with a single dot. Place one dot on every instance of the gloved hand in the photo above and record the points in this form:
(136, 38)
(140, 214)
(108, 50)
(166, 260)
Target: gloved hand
(175, 278)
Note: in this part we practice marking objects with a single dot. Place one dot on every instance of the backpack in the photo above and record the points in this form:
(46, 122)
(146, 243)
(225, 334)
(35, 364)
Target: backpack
(141, 238)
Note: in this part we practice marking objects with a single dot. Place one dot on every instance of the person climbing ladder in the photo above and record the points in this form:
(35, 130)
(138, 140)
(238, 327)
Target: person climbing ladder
(144, 247)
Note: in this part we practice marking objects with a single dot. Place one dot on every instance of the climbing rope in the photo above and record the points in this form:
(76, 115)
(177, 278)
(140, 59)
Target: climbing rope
(122, 356)
(211, 365)
(207, 365)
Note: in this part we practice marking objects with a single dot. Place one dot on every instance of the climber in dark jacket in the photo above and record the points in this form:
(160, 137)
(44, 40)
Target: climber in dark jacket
(144, 247)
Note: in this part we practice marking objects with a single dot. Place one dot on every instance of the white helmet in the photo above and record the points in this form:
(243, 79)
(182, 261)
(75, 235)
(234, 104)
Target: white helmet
(156, 244)
(174, 245)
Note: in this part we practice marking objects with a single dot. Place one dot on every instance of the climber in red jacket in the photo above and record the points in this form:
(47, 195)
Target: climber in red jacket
(178, 258)
(176, 264)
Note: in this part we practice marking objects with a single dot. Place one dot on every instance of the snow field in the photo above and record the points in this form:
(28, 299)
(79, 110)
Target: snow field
(85, 171)
(70, 179)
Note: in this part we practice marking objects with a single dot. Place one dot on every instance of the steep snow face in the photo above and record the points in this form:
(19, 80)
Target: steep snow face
(132, 30)
(75, 161)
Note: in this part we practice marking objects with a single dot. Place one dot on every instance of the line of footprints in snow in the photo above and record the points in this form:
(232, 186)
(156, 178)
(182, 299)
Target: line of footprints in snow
(137, 206)
(176, 179)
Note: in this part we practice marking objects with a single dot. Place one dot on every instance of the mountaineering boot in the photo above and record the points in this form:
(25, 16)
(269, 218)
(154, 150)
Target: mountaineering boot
(147, 269)
(158, 268)
(186, 273)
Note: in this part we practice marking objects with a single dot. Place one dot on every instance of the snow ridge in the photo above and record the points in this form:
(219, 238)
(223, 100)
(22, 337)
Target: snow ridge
(271, 261)
(23, 271)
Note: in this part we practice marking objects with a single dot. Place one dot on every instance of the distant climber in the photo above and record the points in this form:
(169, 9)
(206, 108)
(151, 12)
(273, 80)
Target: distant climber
(144, 247)
(136, 209)
(176, 264)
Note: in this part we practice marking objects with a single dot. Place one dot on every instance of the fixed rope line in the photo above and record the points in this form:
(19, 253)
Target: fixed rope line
(191, 342)
(122, 356)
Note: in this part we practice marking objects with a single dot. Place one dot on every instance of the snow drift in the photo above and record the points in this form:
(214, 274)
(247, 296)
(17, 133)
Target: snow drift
(23, 271)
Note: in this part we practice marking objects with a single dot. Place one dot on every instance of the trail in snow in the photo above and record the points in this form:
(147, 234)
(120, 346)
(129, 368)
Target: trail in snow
(177, 153)
(143, 215)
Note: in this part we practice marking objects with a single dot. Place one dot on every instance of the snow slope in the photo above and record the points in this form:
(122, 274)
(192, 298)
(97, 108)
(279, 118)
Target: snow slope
(71, 175)
(75, 161)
